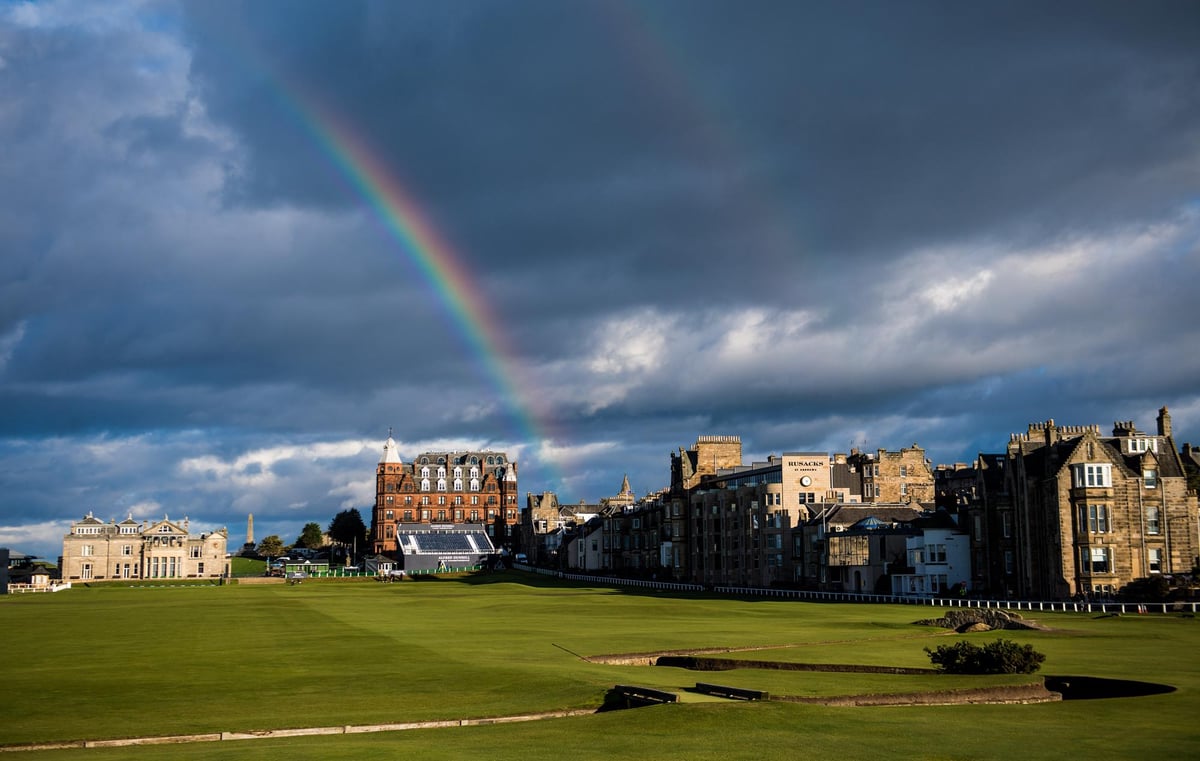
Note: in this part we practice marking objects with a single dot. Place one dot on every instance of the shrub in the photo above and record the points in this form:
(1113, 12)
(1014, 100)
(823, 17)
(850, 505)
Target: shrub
(999, 657)
(1152, 589)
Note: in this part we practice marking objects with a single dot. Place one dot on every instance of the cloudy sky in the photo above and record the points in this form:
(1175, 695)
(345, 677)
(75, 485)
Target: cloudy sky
(239, 241)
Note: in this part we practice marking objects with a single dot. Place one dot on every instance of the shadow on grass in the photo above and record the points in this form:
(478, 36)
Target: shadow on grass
(1099, 688)
(545, 581)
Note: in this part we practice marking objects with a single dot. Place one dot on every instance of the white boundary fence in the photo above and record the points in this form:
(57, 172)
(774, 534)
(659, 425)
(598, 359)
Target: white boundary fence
(936, 602)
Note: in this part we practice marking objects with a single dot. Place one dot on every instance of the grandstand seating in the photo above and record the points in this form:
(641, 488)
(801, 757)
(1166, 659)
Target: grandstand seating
(438, 542)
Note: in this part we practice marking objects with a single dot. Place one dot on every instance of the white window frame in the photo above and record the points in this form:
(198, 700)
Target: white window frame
(1154, 559)
(1153, 520)
(1093, 519)
(1092, 475)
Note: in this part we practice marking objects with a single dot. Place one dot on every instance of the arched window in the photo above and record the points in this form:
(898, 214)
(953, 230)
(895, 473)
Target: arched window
(458, 484)
(458, 472)
(442, 472)
(424, 472)
(424, 484)
(474, 472)
(441, 484)
(474, 484)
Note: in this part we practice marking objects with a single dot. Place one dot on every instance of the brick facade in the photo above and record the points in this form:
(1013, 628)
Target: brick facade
(444, 488)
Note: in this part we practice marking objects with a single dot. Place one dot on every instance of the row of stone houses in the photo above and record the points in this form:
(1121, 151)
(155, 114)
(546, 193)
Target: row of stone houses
(1064, 511)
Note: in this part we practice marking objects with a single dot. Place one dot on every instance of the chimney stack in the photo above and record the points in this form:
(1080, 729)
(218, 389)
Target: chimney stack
(1164, 422)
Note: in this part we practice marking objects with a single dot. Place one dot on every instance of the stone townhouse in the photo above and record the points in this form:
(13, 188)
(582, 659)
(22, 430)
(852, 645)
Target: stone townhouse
(1091, 513)
(991, 524)
(96, 551)
(893, 476)
(739, 519)
(852, 547)
(726, 522)
(542, 523)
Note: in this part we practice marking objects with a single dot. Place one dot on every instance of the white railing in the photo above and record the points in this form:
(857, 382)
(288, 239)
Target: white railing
(19, 589)
(669, 586)
(936, 602)
(1069, 606)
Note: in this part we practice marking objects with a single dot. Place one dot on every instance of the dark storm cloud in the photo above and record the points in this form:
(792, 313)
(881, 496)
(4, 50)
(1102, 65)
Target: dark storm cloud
(812, 225)
(861, 126)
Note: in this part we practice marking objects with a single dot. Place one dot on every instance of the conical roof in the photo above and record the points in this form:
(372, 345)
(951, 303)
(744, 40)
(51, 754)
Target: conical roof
(391, 455)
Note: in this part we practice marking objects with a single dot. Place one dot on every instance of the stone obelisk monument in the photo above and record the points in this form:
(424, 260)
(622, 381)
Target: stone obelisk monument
(249, 548)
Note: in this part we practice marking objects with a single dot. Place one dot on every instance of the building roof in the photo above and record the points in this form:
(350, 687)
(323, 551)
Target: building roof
(391, 455)
(844, 516)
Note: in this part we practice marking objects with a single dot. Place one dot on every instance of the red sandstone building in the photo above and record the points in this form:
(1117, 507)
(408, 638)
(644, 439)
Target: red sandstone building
(443, 488)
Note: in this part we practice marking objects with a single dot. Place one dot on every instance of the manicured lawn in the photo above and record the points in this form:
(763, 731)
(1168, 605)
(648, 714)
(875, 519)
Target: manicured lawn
(106, 662)
(239, 566)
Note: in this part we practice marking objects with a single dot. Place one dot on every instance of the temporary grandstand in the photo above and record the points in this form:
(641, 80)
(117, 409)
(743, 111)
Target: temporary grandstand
(429, 547)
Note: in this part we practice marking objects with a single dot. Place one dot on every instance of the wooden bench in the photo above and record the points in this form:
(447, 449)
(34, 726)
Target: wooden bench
(733, 693)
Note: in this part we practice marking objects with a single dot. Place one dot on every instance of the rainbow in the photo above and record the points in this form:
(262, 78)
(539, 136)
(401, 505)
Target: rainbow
(408, 225)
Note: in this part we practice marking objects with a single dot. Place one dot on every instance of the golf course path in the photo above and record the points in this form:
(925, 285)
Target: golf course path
(292, 732)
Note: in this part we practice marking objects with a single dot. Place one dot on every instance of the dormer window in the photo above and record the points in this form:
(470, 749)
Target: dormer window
(1091, 475)
(1150, 478)
(1143, 445)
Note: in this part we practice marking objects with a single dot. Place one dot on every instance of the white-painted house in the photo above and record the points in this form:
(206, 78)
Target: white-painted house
(941, 563)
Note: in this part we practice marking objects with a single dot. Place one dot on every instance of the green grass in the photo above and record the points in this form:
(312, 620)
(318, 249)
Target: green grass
(112, 662)
(239, 566)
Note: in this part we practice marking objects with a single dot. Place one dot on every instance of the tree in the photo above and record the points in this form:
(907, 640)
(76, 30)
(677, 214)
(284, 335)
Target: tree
(347, 528)
(271, 546)
(310, 536)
